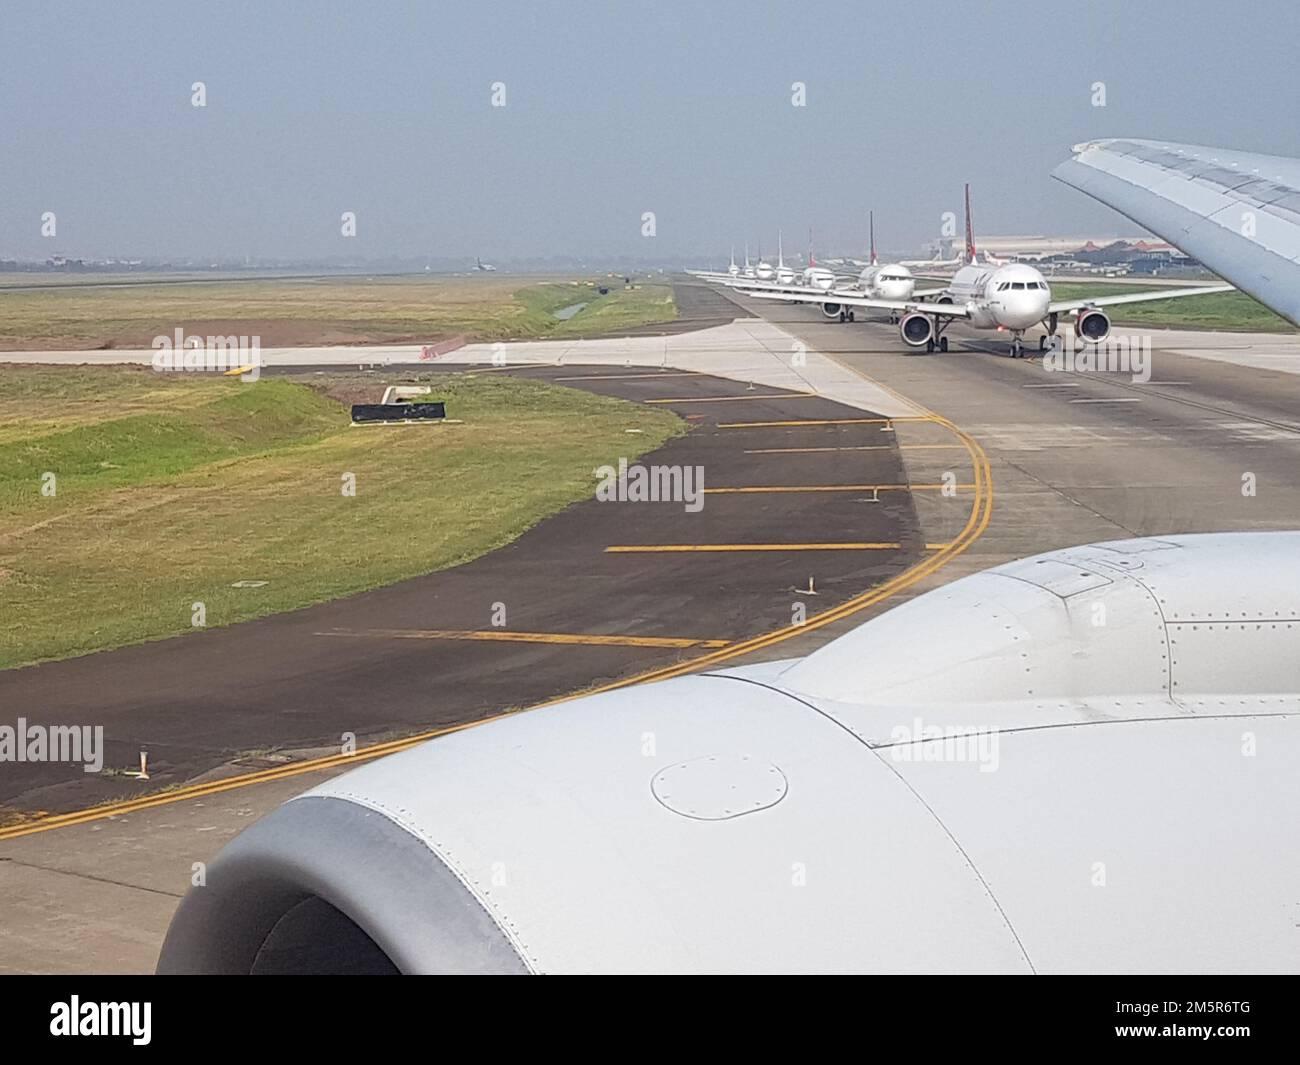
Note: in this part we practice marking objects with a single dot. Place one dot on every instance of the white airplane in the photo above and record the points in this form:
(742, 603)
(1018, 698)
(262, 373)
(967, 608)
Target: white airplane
(764, 275)
(942, 779)
(1011, 298)
(784, 275)
(479, 264)
(814, 276)
(892, 281)
(937, 261)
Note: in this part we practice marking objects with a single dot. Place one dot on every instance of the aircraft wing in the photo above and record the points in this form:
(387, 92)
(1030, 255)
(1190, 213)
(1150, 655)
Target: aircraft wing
(1237, 212)
(947, 310)
(1057, 306)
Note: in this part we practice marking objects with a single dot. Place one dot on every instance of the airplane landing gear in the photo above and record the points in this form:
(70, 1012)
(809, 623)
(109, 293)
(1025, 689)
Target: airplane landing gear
(943, 343)
(1049, 338)
(852, 316)
(1017, 347)
(843, 316)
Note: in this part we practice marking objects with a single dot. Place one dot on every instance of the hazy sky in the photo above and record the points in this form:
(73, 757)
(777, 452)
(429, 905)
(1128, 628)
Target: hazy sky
(612, 109)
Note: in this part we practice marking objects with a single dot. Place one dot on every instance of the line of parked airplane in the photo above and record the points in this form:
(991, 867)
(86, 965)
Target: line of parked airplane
(985, 293)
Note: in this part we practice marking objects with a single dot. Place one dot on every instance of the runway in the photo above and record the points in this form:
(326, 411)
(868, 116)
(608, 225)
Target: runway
(1085, 456)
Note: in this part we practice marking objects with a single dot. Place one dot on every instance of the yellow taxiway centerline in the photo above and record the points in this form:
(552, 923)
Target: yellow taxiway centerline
(653, 549)
(840, 488)
(509, 636)
(817, 421)
(628, 376)
(737, 399)
(860, 447)
(977, 521)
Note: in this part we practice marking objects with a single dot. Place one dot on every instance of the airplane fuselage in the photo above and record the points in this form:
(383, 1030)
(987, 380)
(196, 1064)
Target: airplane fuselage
(887, 281)
(1013, 297)
(819, 277)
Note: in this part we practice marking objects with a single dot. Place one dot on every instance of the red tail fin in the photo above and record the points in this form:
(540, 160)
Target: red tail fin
(872, 216)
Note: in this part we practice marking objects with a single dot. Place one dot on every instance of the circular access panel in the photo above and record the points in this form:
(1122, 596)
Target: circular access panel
(719, 786)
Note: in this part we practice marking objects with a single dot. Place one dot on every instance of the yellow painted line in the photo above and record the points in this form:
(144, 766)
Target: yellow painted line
(860, 447)
(628, 376)
(840, 488)
(238, 371)
(818, 421)
(976, 522)
(652, 549)
(510, 636)
(737, 399)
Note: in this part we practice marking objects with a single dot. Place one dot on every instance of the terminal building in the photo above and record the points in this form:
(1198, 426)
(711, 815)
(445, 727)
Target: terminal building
(1108, 255)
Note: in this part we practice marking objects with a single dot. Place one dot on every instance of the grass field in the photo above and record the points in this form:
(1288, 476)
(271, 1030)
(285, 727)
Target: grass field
(169, 488)
(1227, 310)
(341, 310)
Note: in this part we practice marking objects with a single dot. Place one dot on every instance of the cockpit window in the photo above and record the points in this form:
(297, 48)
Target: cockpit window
(1017, 284)
(1003, 287)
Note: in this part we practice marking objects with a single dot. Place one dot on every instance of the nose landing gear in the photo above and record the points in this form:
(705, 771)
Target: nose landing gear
(1048, 339)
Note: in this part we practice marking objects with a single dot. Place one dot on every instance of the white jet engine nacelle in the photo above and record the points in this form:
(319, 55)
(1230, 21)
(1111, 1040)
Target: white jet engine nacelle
(1080, 762)
(1092, 325)
(916, 329)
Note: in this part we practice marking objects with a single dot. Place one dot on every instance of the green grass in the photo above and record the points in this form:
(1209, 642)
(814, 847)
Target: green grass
(1226, 310)
(158, 508)
(325, 311)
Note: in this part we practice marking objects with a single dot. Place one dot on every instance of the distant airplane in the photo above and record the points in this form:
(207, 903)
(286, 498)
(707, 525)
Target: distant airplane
(1011, 298)
(814, 276)
(784, 275)
(479, 264)
(1237, 212)
(891, 281)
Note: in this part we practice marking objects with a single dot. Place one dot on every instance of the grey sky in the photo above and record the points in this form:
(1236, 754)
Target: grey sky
(613, 109)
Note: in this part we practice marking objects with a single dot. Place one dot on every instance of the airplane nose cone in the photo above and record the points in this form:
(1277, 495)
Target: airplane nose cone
(1023, 309)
